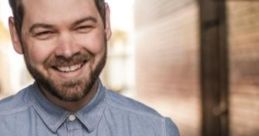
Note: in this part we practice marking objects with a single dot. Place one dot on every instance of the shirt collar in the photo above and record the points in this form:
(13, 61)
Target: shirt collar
(90, 115)
(54, 116)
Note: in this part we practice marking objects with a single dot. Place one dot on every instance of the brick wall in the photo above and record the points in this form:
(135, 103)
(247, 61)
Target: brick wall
(244, 67)
(167, 60)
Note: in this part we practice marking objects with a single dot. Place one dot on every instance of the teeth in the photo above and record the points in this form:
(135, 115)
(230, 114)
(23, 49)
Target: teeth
(69, 68)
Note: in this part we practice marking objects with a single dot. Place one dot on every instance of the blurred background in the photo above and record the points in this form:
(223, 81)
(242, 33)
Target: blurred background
(196, 61)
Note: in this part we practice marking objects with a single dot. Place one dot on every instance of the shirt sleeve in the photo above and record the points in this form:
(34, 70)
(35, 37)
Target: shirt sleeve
(170, 128)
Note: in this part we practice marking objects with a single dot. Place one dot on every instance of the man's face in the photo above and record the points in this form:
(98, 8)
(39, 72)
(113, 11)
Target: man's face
(64, 45)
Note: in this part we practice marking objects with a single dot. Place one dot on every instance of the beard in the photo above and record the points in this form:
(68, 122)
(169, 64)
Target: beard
(71, 90)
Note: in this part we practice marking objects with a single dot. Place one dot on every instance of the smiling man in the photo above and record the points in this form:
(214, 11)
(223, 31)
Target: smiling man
(64, 47)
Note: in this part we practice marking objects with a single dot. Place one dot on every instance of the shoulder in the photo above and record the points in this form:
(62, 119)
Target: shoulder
(15, 103)
(127, 104)
(126, 109)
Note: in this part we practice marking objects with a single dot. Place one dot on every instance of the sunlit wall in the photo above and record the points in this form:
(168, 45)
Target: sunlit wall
(167, 60)
(244, 67)
(13, 73)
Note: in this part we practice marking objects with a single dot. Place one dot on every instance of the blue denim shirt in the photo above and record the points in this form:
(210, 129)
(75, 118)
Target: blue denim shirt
(29, 113)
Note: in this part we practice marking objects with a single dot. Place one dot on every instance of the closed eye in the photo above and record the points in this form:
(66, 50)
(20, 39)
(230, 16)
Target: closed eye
(84, 28)
(43, 35)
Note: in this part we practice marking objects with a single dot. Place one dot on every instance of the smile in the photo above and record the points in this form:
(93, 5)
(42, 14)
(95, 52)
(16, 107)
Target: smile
(72, 68)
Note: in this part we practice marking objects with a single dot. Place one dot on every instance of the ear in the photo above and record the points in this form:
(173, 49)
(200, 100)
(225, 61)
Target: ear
(14, 36)
(107, 22)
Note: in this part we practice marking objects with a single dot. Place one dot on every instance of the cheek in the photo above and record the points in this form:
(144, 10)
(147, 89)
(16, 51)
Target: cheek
(94, 43)
(38, 52)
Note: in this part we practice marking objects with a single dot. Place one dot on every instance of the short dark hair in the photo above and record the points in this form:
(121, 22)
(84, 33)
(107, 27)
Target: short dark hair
(18, 12)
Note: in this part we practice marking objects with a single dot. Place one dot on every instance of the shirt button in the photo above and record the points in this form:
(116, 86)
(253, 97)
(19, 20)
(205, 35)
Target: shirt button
(71, 117)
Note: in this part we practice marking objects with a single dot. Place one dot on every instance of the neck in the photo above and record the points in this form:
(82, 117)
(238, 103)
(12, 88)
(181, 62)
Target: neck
(71, 106)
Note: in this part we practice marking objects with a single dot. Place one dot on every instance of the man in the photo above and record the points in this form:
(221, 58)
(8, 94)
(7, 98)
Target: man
(64, 48)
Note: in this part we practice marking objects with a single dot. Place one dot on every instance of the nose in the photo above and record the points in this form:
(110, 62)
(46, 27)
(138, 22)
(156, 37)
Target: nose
(66, 45)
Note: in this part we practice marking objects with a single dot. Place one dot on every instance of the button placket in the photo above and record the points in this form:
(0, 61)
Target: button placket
(73, 126)
(72, 117)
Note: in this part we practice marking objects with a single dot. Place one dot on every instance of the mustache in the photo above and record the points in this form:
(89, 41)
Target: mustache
(78, 58)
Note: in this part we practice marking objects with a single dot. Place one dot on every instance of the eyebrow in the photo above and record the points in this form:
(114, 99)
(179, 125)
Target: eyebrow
(37, 25)
(86, 19)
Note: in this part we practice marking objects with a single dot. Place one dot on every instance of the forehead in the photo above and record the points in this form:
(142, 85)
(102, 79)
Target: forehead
(58, 10)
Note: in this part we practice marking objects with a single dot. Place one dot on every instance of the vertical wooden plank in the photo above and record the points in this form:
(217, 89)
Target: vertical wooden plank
(214, 68)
